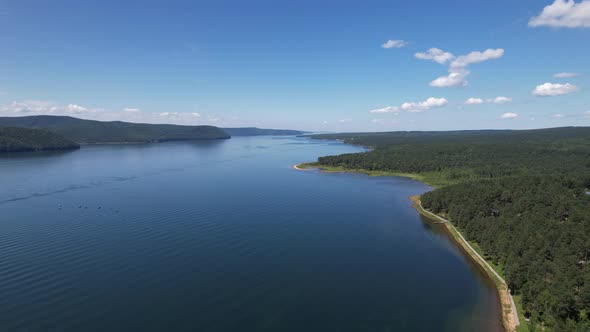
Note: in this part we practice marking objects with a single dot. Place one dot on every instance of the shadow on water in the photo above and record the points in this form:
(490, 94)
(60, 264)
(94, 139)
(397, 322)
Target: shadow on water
(440, 232)
(35, 154)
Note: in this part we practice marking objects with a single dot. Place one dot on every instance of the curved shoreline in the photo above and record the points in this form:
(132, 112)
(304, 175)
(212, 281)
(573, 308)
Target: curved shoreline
(298, 167)
(509, 313)
(510, 318)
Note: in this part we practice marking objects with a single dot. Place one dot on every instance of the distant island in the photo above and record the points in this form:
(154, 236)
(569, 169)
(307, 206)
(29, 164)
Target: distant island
(520, 197)
(25, 139)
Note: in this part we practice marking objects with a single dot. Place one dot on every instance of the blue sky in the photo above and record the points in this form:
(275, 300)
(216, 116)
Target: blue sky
(312, 65)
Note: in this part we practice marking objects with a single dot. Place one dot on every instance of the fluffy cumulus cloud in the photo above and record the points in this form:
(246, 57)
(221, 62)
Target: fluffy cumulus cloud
(497, 100)
(458, 72)
(566, 75)
(131, 109)
(564, 14)
(509, 116)
(557, 116)
(474, 101)
(392, 43)
(554, 89)
(453, 79)
(414, 107)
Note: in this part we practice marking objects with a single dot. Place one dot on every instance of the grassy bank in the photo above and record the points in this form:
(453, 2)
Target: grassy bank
(428, 178)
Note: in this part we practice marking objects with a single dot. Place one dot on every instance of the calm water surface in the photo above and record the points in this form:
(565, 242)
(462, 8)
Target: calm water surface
(224, 236)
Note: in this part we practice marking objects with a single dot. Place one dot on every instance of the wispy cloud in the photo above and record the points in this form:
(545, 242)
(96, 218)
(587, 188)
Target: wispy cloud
(392, 43)
(414, 107)
(436, 55)
(497, 100)
(473, 101)
(43, 107)
(566, 75)
(509, 116)
(564, 14)
(554, 89)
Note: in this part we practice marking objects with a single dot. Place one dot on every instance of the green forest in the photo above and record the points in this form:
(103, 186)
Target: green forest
(89, 131)
(23, 139)
(523, 196)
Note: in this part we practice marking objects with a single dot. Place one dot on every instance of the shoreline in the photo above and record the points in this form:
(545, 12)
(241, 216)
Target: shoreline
(509, 313)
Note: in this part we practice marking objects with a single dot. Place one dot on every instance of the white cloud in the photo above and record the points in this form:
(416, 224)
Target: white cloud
(564, 14)
(345, 120)
(77, 109)
(557, 116)
(566, 75)
(497, 100)
(509, 116)
(476, 56)
(474, 101)
(414, 107)
(453, 79)
(197, 114)
(554, 89)
(388, 109)
(392, 43)
(502, 100)
(41, 107)
(436, 55)
(458, 65)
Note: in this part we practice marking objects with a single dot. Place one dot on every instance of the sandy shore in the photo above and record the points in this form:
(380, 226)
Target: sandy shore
(510, 318)
(296, 166)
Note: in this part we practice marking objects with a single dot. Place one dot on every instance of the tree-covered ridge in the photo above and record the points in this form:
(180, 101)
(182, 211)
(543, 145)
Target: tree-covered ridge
(24, 139)
(523, 196)
(453, 157)
(89, 131)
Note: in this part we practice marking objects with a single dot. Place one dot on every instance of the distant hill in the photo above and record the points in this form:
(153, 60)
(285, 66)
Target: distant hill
(25, 139)
(90, 131)
(252, 131)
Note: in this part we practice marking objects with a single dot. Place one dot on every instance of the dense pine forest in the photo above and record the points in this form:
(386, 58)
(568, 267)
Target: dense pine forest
(523, 196)
(23, 139)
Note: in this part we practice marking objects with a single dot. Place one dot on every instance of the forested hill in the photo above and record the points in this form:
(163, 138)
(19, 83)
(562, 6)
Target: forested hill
(24, 139)
(523, 196)
(252, 131)
(89, 131)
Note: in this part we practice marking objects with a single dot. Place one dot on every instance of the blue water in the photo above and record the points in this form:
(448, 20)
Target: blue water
(224, 236)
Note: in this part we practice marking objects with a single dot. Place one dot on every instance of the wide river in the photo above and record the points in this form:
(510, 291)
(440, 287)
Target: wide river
(224, 236)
